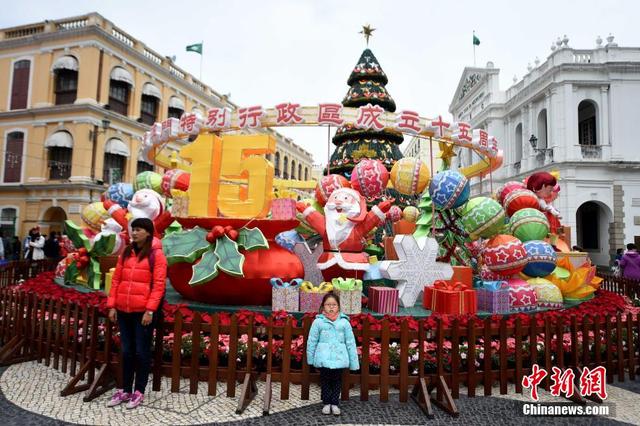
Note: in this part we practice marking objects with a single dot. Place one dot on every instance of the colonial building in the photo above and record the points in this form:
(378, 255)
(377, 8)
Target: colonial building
(421, 148)
(575, 113)
(76, 95)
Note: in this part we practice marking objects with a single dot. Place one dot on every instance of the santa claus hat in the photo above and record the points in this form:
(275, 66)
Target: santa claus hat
(355, 194)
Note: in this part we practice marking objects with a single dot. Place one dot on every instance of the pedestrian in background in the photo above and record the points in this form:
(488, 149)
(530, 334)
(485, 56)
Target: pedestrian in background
(630, 263)
(331, 347)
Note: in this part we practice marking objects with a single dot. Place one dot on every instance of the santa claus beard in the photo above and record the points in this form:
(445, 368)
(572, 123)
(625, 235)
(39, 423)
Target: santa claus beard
(338, 225)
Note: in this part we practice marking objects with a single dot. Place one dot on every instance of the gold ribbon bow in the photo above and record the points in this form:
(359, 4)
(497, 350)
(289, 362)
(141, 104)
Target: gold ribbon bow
(308, 287)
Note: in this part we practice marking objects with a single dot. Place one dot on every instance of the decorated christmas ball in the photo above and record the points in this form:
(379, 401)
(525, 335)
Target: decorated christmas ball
(120, 193)
(148, 180)
(519, 199)
(175, 179)
(541, 259)
(529, 224)
(507, 188)
(410, 214)
(370, 178)
(548, 294)
(449, 189)
(410, 176)
(482, 217)
(522, 297)
(505, 255)
(394, 214)
(94, 214)
(327, 185)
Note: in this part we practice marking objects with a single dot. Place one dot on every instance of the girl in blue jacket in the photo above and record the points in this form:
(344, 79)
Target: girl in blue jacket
(331, 347)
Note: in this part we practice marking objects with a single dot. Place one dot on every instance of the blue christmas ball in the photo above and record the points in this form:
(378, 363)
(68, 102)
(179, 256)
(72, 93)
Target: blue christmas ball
(120, 193)
(289, 239)
(449, 189)
(541, 259)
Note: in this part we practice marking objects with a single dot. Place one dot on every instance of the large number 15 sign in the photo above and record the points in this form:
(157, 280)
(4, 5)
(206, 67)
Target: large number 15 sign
(229, 177)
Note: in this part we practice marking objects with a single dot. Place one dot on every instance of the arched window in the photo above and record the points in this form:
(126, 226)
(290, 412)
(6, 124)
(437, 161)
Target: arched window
(587, 123)
(293, 169)
(120, 87)
(542, 130)
(285, 168)
(60, 149)
(518, 144)
(149, 106)
(20, 84)
(176, 107)
(65, 71)
(299, 171)
(588, 225)
(306, 173)
(115, 160)
(277, 164)
(13, 157)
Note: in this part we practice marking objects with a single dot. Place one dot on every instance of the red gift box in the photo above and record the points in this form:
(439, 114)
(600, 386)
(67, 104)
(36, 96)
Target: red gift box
(462, 274)
(453, 299)
(283, 209)
(383, 300)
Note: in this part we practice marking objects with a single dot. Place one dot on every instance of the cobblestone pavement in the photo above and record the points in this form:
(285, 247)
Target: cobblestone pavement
(29, 395)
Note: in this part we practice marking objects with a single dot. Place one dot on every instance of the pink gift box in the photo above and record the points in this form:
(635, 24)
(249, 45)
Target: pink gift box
(283, 209)
(286, 298)
(311, 301)
(384, 300)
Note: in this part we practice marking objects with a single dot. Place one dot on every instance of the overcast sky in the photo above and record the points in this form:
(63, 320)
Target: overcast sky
(266, 52)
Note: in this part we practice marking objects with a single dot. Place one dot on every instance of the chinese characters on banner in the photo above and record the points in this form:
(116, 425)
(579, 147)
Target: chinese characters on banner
(591, 382)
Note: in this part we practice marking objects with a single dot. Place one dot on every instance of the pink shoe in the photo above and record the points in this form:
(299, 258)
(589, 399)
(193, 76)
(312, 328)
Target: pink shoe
(136, 399)
(118, 398)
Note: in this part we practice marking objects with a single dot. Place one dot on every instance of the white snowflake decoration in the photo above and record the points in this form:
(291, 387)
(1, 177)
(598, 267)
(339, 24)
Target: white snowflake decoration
(416, 268)
(309, 260)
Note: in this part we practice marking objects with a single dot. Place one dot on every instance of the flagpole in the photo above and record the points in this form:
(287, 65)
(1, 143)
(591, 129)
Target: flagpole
(202, 54)
(474, 48)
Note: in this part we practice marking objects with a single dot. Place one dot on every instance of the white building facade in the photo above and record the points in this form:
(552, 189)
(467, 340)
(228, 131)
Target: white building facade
(575, 113)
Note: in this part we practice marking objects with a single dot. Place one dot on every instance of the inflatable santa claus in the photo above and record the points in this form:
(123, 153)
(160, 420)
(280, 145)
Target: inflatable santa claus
(344, 228)
(145, 203)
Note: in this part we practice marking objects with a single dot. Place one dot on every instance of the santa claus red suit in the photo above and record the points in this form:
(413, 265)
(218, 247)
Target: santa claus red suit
(344, 228)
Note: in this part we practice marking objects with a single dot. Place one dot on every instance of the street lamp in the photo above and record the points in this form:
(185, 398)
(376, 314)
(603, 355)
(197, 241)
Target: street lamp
(533, 140)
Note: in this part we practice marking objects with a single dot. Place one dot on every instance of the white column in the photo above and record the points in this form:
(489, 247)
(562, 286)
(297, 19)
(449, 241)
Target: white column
(603, 119)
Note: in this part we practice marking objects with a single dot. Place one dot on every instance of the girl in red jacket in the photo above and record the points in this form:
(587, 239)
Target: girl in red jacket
(137, 290)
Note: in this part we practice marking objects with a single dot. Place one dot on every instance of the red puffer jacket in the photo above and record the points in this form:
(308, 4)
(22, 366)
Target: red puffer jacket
(131, 285)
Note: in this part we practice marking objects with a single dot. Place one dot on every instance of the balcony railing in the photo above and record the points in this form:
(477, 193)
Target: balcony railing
(591, 152)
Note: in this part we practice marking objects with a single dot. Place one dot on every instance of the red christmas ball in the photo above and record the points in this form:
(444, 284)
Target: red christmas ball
(505, 255)
(327, 185)
(519, 199)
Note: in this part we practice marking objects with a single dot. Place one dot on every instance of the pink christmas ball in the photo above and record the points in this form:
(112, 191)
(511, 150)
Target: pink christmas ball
(395, 214)
(522, 296)
(370, 178)
(327, 185)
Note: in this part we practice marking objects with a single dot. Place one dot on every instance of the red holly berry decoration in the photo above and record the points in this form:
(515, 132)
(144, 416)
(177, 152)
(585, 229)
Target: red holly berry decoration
(233, 234)
(210, 237)
(218, 231)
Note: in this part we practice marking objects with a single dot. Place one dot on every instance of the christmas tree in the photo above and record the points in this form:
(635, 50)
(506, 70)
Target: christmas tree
(367, 86)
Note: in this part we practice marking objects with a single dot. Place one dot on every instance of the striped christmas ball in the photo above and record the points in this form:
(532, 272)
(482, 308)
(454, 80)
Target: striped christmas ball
(94, 215)
(327, 185)
(410, 214)
(522, 297)
(541, 258)
(370, 178)
(548, 294)
(410, 176)
(148, 180)
(482, 217)
(120, 193)
(449, 189)
(507, 188)
(505, 255)
(529, 224)
(519, 199)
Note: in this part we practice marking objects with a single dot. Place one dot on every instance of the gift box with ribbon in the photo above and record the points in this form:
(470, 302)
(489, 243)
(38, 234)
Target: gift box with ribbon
(285, 295)
(446, 298)
(384, 300)
(283, 209)
(108, 278)
(463, 274)
(349, 291)
(493, 296)
(311, 295)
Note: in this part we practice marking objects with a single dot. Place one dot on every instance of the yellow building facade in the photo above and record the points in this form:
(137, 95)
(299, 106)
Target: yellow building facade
(76, 96)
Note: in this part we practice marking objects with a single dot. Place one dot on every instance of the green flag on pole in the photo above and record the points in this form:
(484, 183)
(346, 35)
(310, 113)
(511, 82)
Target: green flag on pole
(198, 48)
(476, 41)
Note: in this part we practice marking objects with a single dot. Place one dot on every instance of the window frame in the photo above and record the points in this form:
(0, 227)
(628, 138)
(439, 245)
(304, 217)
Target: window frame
(68, 151)
(58, 92)
(117, 104)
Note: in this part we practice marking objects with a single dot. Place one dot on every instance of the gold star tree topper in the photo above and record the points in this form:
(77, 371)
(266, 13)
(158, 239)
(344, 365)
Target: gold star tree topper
(367, 31)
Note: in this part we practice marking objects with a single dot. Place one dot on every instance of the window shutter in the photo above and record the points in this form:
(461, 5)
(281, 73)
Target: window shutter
(20, 85)
(13, 157)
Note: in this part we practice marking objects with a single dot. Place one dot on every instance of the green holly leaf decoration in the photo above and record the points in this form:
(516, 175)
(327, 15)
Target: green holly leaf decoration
(75, 234)
(205, 270)
(251, 239)
(174, 227)
(71, 273)
(230, 260)
(185, 246)
(94, 274)
(104, 246)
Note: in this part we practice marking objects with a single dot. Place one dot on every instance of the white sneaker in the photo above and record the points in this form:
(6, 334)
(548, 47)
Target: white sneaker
(335, 410)
(326, 409)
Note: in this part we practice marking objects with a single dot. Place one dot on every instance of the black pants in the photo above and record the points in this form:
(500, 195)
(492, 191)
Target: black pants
(136, 350)
(330, 385)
